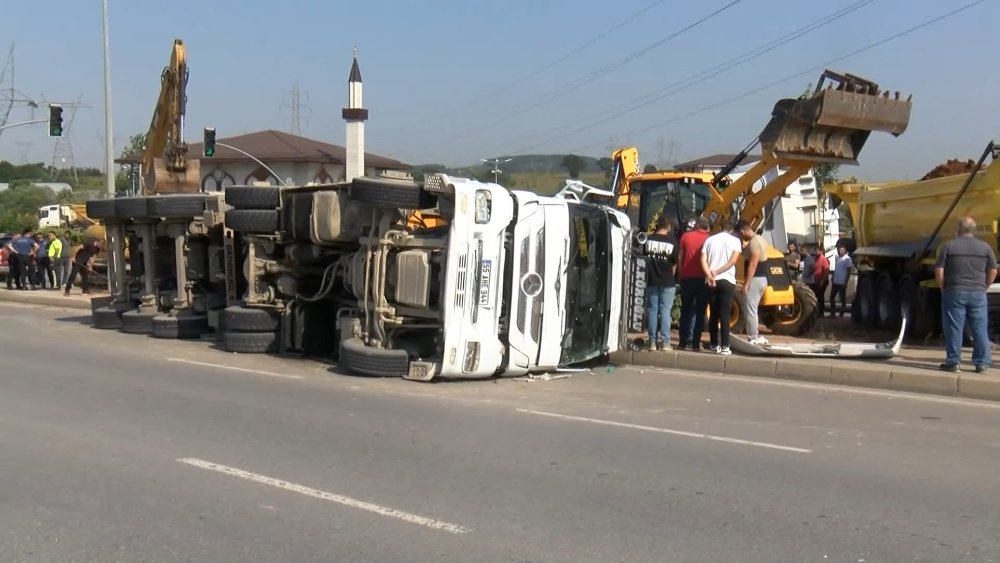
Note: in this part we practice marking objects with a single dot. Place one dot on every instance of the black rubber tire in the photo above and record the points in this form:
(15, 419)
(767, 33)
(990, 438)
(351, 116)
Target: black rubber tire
(737, 322)
(806, 307)
(137, 321)
(185, 327)
(246, 319)
(887, 312)
(867, 300)
(359, 359)
(252, 221)
(250, 342)
(131, 207)
(253, 197)
(106, 318)
(920, 323)
(101, 209)
(179, 206)
(390, 194)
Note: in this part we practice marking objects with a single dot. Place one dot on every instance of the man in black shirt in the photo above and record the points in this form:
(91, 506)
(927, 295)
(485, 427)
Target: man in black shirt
(661, 263)
(83, 264)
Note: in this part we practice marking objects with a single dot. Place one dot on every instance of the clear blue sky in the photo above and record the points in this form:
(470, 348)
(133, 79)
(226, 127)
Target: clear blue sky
(443, 80)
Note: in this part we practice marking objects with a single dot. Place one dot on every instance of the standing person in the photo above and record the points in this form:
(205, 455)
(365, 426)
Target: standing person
(52, 261)
(694, 291)
(820, 277)
(21, 246)
(83, 264)
(64, 261)
(718, 260)
(842, 265)
(661, 251)
(13, 264)
(792, 259)
(42, 267)
(965, 268)
(755, 278)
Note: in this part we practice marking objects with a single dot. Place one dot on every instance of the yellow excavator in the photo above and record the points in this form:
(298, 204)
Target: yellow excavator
(830, 125)
(165, 167)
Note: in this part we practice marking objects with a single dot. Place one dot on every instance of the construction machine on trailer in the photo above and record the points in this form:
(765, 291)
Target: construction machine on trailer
(830, 125)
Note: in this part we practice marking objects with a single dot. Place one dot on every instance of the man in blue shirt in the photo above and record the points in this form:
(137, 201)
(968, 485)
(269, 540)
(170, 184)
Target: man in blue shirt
(19, 259)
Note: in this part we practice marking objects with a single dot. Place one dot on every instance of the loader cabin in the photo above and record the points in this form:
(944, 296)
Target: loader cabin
(682, 196)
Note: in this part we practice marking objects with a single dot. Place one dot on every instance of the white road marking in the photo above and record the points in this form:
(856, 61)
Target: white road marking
(234, 368)
(669, 431)
(315, 493)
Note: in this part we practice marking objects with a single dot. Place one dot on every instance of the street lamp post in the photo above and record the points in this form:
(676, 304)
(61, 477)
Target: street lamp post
(109, 145)
(496, 162)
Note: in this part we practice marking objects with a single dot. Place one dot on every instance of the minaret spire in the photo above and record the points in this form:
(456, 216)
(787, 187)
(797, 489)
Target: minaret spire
(355, 115)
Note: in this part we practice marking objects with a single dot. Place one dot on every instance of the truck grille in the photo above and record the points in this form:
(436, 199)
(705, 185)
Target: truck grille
(463, 279)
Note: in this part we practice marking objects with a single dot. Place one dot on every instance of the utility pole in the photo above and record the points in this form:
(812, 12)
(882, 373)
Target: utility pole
(496, 167)
(296, 106)
(109, 156)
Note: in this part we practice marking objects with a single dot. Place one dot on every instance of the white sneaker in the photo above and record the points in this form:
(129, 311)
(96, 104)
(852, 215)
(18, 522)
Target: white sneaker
(725, 351)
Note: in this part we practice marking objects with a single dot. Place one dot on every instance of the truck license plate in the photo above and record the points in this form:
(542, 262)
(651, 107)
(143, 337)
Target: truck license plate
(485, 273)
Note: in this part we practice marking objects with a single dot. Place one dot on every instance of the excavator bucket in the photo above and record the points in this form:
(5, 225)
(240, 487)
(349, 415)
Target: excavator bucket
(185, 180)
(833, 124)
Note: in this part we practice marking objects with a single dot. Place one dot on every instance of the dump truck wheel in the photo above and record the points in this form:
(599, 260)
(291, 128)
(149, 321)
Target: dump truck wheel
(887, 311)
(359, 359)
(176, 206)
(101, 209)
(390, 194)
(867, 300)
(737, 322)
(131, 208)
(180, 327)
(138, 321)
(106, 318)
(801, 318)
(250, 342)
(252, 221)
(246, 319)
(253, 197)
(914, 300)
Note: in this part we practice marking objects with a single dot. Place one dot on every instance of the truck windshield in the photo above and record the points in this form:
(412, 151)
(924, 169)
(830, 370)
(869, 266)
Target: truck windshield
(679, 200)
(587, 285)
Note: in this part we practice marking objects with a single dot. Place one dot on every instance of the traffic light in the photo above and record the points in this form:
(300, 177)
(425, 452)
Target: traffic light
(55, 120)
(209, 142)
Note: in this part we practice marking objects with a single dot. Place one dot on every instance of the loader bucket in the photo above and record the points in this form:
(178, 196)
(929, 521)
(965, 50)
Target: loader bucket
(834, 123)
(178, 181)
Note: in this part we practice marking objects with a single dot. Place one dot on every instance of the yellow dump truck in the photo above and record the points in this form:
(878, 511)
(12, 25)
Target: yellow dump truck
(899, 227)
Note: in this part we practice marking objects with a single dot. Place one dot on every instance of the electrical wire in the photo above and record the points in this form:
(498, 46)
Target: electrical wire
(671, 89)
(536, 72)
(826, 64)
(561, 91)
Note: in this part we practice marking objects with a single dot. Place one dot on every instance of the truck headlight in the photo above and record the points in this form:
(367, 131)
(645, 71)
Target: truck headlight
(471, 362)
(484, 203)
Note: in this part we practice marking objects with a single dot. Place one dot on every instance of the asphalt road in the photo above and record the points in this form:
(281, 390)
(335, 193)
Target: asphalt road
(125, 448)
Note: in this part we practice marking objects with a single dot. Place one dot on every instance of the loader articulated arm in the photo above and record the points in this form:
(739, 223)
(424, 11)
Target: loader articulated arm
(625, 165)
(165, 166)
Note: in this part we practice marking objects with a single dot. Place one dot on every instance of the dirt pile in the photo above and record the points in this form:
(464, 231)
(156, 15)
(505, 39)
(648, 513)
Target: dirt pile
(950, 168)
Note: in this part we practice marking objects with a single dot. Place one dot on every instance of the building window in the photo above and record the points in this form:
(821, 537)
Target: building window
(217, 181)
(322, 176)
(261, 176)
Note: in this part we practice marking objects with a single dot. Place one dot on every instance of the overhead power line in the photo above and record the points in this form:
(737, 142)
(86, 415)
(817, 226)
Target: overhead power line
(799, 74)
(675, 87)
(590, 77)
(539, 70)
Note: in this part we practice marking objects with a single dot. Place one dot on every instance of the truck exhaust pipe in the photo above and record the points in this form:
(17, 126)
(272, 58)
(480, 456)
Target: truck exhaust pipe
(833, 124)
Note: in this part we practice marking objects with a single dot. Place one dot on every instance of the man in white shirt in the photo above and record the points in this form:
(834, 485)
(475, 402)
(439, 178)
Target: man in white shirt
(841, 274)
(719, 255)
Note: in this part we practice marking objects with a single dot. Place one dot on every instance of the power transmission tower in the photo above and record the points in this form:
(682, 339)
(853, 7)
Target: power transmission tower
(11, 97)
(23, 150)
(666, 153)
(62, 152)
(296, 106)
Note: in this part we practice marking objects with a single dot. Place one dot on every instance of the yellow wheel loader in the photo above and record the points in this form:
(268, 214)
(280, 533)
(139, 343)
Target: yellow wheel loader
(830, 125)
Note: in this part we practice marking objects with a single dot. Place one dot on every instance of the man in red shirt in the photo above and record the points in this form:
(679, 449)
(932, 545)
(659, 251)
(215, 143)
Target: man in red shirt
(694, 290)
(820, 277)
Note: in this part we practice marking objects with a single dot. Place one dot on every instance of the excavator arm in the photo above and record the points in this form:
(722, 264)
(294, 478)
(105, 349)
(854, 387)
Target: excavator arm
(165, 166)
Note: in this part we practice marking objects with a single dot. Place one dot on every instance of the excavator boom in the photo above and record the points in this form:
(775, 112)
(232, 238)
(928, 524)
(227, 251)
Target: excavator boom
(166, 168)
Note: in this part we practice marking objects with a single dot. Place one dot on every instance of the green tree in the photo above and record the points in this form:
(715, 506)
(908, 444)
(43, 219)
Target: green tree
(607, 166)
(573, 165)
(825, 173)
(649, 168)
(134, 145)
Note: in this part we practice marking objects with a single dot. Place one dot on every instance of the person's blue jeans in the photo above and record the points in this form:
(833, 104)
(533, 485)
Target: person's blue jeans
(957, 308)
(659, 302)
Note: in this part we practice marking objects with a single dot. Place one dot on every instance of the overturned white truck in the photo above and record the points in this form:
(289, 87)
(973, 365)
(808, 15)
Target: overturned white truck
(449, 278)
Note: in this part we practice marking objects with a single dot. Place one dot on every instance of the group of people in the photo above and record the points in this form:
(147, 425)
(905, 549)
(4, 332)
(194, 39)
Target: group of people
(704, 266)
(35, 261)
(811, 266)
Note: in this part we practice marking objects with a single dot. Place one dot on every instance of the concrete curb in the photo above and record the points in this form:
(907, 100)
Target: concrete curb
(871, 374)
(43, 298)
